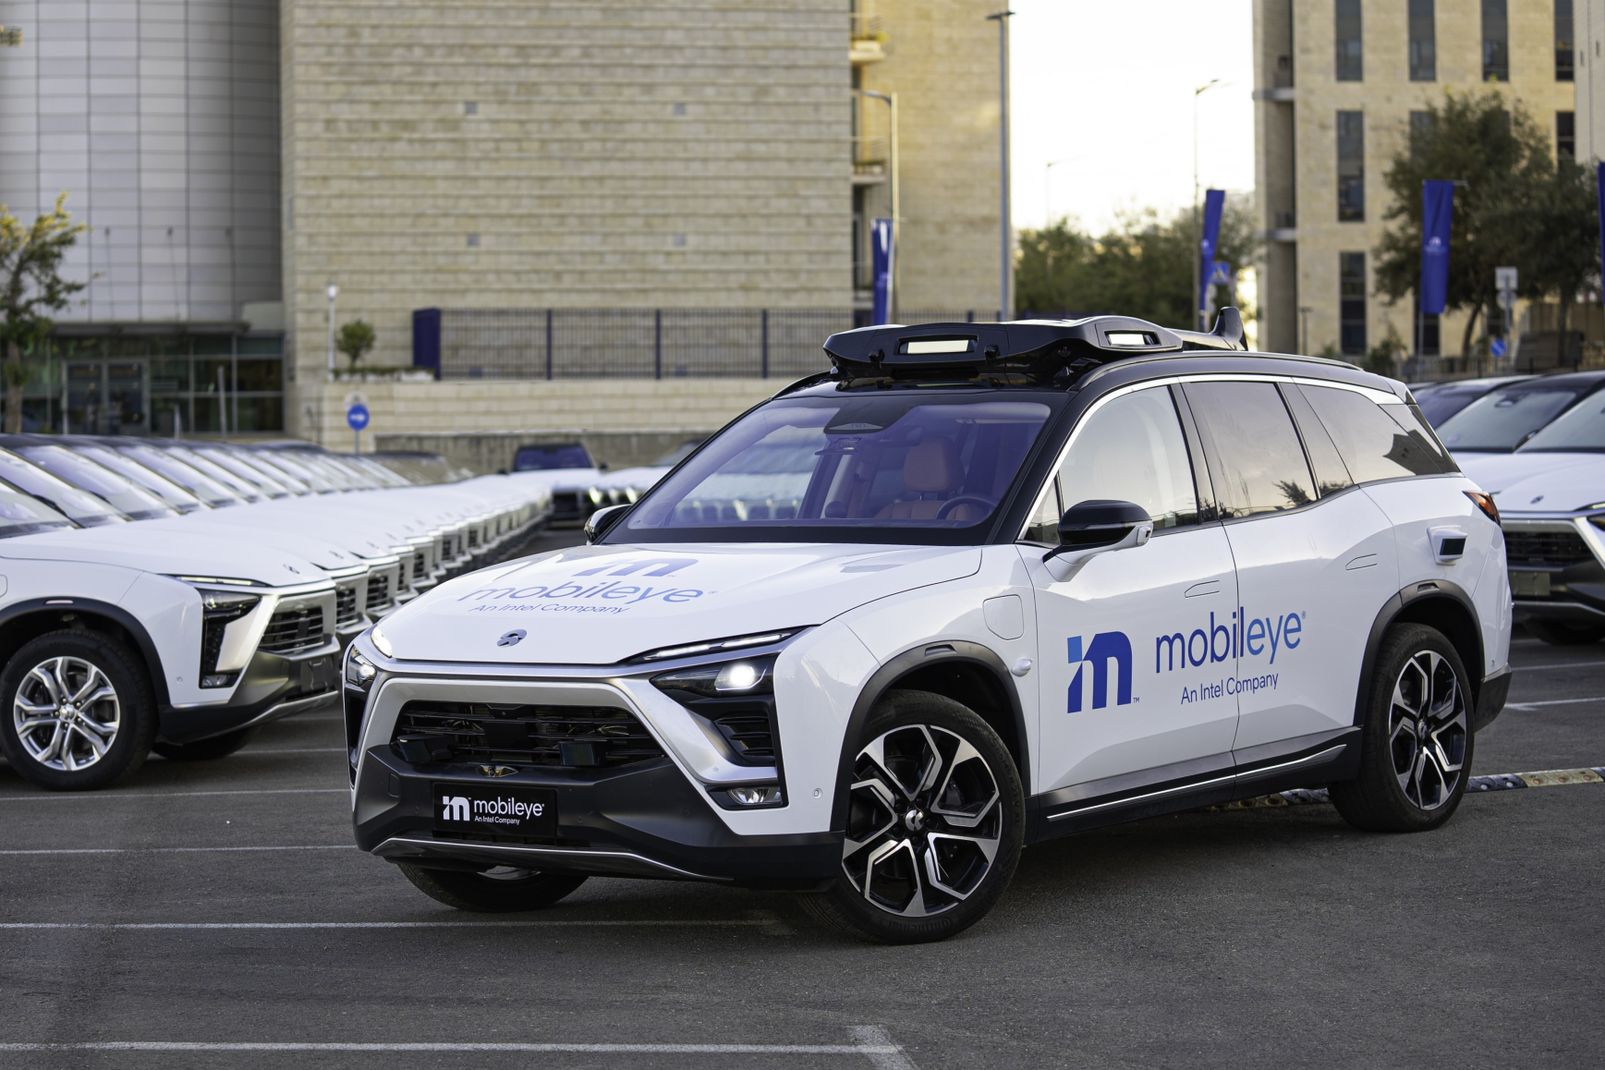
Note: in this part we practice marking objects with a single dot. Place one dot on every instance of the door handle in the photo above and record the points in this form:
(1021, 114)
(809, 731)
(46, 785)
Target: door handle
(1200, 590)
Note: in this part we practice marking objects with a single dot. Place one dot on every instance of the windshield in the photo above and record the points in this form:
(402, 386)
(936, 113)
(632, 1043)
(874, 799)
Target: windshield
(86, 475)
(878, 467)
(191, 479)
(1500, 421)
(79, 506)
(557, 455)
(1438, 405)
(281, 461)
(274, 485)
(1578, 430)
(159, 485)
(21, 515)
(248, 491)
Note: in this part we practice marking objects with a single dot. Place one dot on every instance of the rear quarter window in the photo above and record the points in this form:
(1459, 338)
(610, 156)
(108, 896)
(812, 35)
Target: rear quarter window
(1376, 441)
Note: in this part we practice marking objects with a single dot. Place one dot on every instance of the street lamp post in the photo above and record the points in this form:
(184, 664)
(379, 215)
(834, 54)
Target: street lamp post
(1193, 301)
(1005, 237)
(890, 100)
(333, 292)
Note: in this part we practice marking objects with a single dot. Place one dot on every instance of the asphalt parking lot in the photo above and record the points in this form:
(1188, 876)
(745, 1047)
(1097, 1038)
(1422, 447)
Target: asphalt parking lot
(216, 915)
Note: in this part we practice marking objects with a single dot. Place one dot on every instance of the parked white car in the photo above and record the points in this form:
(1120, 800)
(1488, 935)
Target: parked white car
(1021, 586)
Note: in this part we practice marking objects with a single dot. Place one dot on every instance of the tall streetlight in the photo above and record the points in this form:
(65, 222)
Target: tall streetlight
(1193, 301)
(333, 292)
(890, 100)
(1005, 237)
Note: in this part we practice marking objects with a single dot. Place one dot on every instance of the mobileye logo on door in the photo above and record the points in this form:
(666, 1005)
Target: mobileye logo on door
(1237, 638)
(611, 596)
(1105, 649)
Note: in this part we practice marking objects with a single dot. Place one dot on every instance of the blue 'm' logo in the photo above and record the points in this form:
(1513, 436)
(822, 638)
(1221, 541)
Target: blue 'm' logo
(1105, 647)
(652, 566)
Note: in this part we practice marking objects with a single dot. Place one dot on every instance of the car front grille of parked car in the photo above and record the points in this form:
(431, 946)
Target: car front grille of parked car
(1544, 548)
(379, 596)
(345, 605)
(293, 629)
(565, 736)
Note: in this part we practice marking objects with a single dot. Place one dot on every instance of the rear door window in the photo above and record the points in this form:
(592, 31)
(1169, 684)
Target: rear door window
(1377, 441)
(1257, 463)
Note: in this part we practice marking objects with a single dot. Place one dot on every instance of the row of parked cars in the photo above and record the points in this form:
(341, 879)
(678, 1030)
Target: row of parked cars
(581, 484)
(173, 596)
(1537, 444)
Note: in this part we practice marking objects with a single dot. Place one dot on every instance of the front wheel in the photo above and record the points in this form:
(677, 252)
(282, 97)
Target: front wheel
(935, 822)
(1416, 744)
(499, 890)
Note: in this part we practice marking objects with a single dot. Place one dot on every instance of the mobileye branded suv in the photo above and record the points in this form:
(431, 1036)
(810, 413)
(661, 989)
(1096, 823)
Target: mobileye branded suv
(978, 586)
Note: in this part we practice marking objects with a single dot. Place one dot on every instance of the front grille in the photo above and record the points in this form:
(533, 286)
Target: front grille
(345, 605)
(750, 735)
(473, 539)
(379, 596)
(1544, 548)
(294, 629)
(566, 502)
(420, 566)
(573, 736)
(450, 547)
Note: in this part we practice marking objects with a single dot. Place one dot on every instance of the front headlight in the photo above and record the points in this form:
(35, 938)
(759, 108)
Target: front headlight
(359, 671)
(716, 646)
(748, 676)
(219, 609)
(380, 643)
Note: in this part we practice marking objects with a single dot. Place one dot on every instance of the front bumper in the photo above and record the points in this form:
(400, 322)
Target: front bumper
(272, 686)
(1491, 699)
(644, 820)
(1557, 568)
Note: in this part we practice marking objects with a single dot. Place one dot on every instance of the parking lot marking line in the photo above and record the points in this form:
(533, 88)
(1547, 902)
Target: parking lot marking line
(1591, 663)
(173, 850)
(871, 1051)
(876, 1043)
(55, 796)
(1554, 702)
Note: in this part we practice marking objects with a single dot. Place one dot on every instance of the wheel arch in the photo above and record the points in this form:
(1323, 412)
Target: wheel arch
(28, 620)
(1437, 604)
(968, 673)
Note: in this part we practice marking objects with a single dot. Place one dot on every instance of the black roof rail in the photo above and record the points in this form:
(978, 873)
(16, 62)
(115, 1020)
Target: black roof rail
(1040, 348)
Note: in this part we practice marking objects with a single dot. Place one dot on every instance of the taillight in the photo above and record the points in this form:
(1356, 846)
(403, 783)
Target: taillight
(1485, 502)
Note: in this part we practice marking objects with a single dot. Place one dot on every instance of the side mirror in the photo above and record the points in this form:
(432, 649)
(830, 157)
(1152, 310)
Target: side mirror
(598, 523)
(1102, 524)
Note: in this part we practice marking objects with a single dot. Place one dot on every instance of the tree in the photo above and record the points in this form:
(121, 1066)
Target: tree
(1140, 267)
(31, 288)
(354, 340)
(1554, 231)
(1500, 158)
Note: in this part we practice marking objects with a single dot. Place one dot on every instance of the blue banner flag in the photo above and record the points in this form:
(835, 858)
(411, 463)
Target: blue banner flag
(881, 254)
(1214, 204)
(1437, 212)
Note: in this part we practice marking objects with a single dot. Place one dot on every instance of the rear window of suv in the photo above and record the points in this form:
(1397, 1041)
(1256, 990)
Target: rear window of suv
(1377, 441)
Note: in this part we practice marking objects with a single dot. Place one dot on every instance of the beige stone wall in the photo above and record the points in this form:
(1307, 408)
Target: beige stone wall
(618, 153)
(1386, 96)
(1590, 37)
(942, 62)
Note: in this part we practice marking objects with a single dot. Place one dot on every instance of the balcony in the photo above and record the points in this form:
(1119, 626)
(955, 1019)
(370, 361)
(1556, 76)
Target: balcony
(871, 161)
(868, 40)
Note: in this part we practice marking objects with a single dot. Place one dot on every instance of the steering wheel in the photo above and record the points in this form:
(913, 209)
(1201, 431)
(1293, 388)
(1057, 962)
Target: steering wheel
(965, 499)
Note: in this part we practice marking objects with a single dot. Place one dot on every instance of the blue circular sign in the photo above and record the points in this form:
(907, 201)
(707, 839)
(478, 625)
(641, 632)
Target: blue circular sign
(357, 416)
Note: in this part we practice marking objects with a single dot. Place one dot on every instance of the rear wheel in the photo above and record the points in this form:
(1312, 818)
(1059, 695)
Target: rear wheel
(500, 890)
(205, 750)
(1557, 634)
(75, 710)
(1416, 745)
(935, 820)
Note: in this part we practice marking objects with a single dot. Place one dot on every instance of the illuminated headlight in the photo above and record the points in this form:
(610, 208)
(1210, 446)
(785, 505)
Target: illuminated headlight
(716, 646)
(749, 676)
(380, 643)
(595, 495)
(219, 609)
(359, 671)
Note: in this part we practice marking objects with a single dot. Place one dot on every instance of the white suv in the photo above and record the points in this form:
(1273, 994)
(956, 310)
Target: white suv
(979, 586)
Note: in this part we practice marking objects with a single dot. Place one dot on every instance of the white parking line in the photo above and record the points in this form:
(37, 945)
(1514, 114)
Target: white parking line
(876, 1053)
(113, 796)
(171, 850)
(1554, 702)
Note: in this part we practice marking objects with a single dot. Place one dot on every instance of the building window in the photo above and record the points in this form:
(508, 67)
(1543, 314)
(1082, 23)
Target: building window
(1423, 41)
(1349, 53)
(1566, 135)
(1563, 41)
(1422, 124)
(1428, 333)
(1495, 41)
(1351, 166)
(1351, 303)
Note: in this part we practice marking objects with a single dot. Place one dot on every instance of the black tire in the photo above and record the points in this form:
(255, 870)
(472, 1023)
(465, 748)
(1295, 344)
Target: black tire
(493, 891)
(204, 750)
(911, 826)
(130, 706)
(1557, 634)
(1420, 695)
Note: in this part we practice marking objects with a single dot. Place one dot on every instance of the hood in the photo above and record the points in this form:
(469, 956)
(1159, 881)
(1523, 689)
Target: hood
(597, 605)
(324, 554)
(153, 547)
(297, 529)
(1544, 482)
(1493, 472)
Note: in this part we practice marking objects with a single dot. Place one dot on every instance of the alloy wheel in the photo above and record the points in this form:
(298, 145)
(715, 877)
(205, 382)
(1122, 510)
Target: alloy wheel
(1427, 729)
(66, 714)
(924, 821)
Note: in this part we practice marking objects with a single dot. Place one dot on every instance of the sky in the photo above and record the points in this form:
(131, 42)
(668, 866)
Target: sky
(1103, 89)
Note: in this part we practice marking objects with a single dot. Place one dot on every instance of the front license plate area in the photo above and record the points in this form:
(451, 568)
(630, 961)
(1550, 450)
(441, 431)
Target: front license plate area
(504, 810)
(1529, 584)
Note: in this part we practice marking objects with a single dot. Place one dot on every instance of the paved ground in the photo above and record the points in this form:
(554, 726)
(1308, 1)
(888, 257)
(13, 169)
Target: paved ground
(222, 904)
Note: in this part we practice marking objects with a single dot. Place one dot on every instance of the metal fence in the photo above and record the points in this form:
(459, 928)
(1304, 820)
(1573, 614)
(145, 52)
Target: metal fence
(645, 343)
